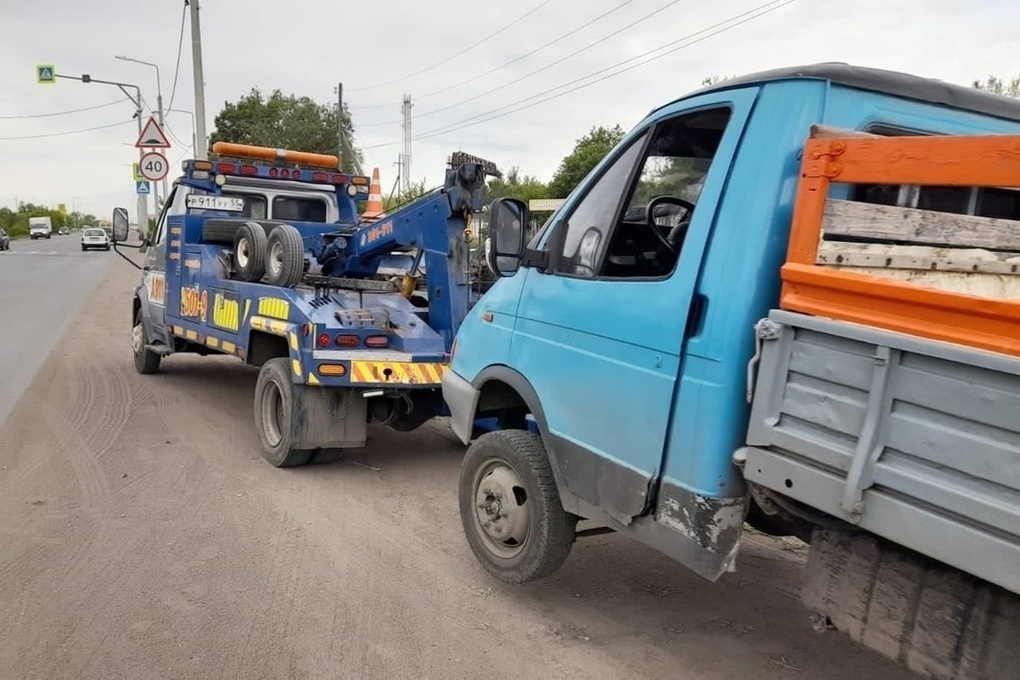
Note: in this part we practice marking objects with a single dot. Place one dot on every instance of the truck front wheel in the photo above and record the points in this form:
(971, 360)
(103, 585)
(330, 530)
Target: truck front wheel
(510, 507)
(146, 361)
(274, 414)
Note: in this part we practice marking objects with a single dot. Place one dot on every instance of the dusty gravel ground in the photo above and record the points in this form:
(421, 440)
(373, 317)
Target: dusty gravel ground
(142, 536)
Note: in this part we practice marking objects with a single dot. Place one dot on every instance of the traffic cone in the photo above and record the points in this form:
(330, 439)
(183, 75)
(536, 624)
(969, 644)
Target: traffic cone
(374, 210)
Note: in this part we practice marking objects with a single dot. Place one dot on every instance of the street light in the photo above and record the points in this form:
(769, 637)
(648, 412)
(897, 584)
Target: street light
(159, 103)
(194, 139)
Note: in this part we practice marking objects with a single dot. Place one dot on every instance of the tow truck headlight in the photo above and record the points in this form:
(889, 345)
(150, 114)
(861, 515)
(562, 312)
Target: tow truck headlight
(352, 190)
(221, 180)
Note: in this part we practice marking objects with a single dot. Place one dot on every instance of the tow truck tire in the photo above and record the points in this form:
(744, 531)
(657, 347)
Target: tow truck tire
(250, 247)
(285, 260)
(274, 414)
(510, 507)
(146, 361)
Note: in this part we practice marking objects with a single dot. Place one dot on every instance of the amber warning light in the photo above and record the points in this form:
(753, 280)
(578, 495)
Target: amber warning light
(265, 153)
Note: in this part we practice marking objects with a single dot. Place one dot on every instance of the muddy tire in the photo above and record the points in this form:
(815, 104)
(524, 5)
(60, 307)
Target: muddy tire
(285, 257)
(250, 247)
(274, 414)
(146, 361)
(510, 507)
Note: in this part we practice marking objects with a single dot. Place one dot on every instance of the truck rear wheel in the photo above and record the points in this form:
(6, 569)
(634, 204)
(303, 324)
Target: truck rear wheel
(285, 260)
(510, 507)
(250, 247)
(274, 414)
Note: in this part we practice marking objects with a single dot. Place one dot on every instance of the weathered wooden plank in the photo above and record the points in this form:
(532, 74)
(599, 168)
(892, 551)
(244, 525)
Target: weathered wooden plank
(852, 219)
(829, 132)
(920, 258)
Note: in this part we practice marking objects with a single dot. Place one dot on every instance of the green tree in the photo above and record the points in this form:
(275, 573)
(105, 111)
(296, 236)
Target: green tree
(998, 86)
(15, 223)
(513, 185)
(399, 198)
(588, 151)
(287, 122)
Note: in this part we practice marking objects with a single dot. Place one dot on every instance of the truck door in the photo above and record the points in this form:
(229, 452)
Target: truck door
(154, 268)
(602, 330)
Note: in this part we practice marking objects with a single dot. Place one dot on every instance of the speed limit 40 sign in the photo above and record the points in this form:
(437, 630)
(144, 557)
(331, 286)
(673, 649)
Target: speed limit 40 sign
(153, 166)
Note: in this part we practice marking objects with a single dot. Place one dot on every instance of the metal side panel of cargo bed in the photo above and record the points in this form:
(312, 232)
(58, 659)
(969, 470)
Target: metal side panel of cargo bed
(914, 440)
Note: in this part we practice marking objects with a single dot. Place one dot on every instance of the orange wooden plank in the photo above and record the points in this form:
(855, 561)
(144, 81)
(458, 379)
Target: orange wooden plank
(984, 323)
(971, 160)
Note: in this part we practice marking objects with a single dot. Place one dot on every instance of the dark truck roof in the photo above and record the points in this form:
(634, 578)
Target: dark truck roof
(886, 82)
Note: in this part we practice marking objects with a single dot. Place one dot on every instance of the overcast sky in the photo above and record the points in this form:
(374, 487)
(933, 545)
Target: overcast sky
(384, 49)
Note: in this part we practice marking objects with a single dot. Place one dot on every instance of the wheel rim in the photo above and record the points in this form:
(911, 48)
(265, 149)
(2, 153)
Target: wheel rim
(272, 413)
(275, 263)
(243, 253)
(502, 512)
(137, 338)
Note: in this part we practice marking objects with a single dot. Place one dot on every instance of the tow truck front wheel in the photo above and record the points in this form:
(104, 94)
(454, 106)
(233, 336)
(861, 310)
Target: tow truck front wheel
(510, 507)
(274, 414)
(146, 361)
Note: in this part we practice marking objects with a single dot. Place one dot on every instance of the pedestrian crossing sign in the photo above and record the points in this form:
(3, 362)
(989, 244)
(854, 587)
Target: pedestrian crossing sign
(142, 187)
(46, 74)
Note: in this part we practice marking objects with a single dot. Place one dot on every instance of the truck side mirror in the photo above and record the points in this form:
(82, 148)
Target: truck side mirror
(507, 220)
(120, 224)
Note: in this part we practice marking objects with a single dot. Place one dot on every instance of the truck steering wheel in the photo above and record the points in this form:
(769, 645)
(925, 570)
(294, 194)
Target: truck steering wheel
(668, 242)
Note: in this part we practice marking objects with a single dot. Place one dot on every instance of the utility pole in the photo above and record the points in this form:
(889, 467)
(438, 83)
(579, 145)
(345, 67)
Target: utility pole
(340, 124)
(201, 151)
(405, 157)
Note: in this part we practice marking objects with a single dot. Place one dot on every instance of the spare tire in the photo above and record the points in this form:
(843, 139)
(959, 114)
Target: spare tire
(285, 259)
(250, 247)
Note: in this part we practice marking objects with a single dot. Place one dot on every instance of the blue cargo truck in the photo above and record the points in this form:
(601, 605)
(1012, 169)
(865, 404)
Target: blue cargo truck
(676, 402)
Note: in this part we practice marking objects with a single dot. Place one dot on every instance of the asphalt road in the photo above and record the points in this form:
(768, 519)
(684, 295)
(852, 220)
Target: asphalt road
(42, 285)
(142, 536)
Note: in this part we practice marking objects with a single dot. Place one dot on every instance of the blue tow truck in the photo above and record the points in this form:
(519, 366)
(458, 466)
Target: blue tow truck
(676, 402)
(261, 254)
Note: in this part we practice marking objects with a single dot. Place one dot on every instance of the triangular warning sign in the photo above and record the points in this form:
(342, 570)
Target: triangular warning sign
(152, 136)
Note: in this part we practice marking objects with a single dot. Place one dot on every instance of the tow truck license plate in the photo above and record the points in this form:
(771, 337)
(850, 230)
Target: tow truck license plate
(204, 202)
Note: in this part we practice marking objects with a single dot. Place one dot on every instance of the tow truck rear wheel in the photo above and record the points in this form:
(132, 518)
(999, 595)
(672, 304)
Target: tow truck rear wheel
(146, 361)
(274, 414)
(285, 260)
(250, 247)
(510, 507)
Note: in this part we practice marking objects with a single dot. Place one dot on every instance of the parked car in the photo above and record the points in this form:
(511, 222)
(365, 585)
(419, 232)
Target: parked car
(5, 240)
(94, 238)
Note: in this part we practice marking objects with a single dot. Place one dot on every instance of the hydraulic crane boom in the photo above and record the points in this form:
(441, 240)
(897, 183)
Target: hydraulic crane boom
(437, 227)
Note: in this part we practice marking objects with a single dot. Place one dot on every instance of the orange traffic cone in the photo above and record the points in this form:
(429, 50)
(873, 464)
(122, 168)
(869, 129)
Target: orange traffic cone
(374, 210)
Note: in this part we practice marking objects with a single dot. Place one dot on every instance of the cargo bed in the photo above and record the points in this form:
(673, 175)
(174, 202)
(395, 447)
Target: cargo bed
(915, 440)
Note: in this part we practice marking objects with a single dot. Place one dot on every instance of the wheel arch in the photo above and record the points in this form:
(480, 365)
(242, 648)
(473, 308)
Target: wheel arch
(501, 387)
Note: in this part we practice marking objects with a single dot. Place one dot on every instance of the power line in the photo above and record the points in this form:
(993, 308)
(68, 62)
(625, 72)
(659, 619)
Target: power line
(63, 113)
(504, 65)
(180, 45)
(67, 132)
(594, 43)
(457, 54)
(688, 40)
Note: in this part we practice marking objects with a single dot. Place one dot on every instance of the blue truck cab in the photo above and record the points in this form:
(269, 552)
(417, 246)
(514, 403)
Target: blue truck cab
(625, 328)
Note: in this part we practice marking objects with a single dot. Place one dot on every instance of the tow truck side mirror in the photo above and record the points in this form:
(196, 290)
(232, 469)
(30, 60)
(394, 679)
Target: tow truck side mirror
(508, 218)
(120, 224)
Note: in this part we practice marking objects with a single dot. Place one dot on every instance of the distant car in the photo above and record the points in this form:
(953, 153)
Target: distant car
(5, 240)
(94, 238)
(64, 231)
